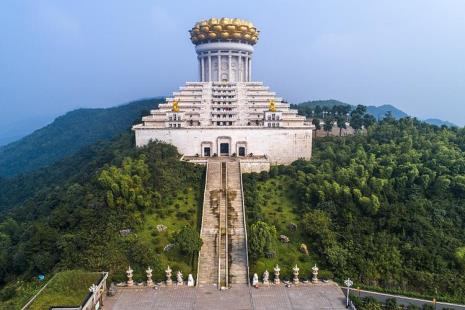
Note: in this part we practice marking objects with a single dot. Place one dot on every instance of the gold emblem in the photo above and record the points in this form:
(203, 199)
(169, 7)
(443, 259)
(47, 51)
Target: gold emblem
(272, 106)
(175, 105)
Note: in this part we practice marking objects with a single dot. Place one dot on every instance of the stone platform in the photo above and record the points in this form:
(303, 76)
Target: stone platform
(240, 297)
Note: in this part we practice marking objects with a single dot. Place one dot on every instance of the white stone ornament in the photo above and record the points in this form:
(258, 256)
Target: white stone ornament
(276, 274)
(190, 280)
(129, 272)
(168, 276)
(179, 279)
(315, 274)
(266, 276)
(149, 277)
(255, 280)
(295, 271)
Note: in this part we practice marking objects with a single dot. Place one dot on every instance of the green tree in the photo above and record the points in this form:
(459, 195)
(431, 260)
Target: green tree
(328, 125)
(262, 238)
(188, 240)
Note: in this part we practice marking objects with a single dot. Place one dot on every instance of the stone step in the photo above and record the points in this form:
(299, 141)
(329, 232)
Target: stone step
(223, 256)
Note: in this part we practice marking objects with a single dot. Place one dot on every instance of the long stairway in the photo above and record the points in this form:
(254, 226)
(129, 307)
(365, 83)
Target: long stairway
(208, 258)
(236, 226)
(223, 256)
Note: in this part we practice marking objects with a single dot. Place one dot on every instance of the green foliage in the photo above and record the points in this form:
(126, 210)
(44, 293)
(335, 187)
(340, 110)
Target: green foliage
(385, 209)
(68, 133)
(262, 238)
(68, 221)
(67, 288)
(188, 240)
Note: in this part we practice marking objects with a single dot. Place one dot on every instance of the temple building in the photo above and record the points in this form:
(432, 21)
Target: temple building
(226, 113)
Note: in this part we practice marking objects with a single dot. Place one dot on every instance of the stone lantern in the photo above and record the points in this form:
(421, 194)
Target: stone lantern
(149, 277)
(295, 271)
(276, 274)
(129, 272)
(168, 276)
(315, 274)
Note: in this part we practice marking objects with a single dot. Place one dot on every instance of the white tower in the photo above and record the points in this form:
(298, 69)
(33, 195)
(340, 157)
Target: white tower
(224, 48)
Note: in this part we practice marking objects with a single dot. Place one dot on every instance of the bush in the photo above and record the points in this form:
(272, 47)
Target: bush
(188, 240)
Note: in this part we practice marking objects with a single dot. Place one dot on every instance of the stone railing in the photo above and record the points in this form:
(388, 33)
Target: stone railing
(203, 216)
(245, 226)
(94, 299)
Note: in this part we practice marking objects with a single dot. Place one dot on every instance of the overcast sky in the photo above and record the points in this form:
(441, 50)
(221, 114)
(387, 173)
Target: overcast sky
(60, 55)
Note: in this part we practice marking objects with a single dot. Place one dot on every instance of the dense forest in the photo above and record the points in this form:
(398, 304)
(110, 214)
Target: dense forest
(68, 133)
(107, 206)
(385, 208)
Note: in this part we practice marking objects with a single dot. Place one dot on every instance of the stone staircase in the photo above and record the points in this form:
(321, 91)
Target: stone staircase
(223, 256)
(208, 257)
(236, 227)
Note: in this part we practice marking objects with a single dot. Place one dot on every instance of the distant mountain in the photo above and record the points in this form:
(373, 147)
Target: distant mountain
(68, 133)
(16, 130)
(438, 122)
(377, 111)
(382, 110)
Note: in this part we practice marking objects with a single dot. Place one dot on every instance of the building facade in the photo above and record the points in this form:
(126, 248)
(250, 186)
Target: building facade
(226, 113)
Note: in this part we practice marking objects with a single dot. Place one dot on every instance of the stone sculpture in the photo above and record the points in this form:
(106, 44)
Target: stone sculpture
(168, 276)
(129, 272)
(276, 274)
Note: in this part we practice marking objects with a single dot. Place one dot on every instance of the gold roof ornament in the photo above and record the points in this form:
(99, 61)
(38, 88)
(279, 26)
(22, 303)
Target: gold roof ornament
(224, 29)
(272, 105)
(175, 105)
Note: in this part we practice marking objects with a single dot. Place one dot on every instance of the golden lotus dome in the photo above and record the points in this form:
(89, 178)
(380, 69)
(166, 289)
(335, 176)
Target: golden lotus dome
(224, 29)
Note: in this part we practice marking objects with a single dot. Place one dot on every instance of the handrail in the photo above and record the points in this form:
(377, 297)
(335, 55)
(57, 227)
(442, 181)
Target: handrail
(201, 223)
(218, 247)
(37, 294)
(226, 263)
(245, 226)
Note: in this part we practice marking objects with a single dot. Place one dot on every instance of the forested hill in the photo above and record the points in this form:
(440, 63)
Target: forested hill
(71, 214)
(385, 208)
(377, 111)
(68, 133)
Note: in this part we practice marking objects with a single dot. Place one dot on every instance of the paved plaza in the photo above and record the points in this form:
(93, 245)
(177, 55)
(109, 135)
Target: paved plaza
(304, 296)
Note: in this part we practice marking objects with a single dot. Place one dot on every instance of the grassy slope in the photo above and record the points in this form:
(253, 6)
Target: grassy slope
(67, 288)
(277, 205)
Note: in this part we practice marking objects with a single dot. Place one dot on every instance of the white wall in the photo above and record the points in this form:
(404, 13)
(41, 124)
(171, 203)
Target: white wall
(281, 145)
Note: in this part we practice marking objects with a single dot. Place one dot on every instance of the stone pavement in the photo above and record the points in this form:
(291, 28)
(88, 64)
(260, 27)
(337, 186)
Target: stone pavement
(240, 297)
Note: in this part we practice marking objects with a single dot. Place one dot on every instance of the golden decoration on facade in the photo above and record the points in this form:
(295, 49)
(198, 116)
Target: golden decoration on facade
(175, 105)
(224, 29)
(272, 106)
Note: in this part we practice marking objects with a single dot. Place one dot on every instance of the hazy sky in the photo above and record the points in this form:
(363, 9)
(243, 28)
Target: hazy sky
(59, 55)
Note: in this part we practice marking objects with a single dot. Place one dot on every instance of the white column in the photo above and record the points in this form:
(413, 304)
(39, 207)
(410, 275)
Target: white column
(240, 69)
(219, 67)
(200, 68)
(229, 67)
(202, 64)
(209, 68)
(246, 69)
(250, 69)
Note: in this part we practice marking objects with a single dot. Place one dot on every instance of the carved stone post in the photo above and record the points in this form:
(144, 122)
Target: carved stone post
(296, 274)
(168, 276)
(315, 274)
(149, 277)
(276, 274)
(266, 276)
(129, 272)
(179, 279)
